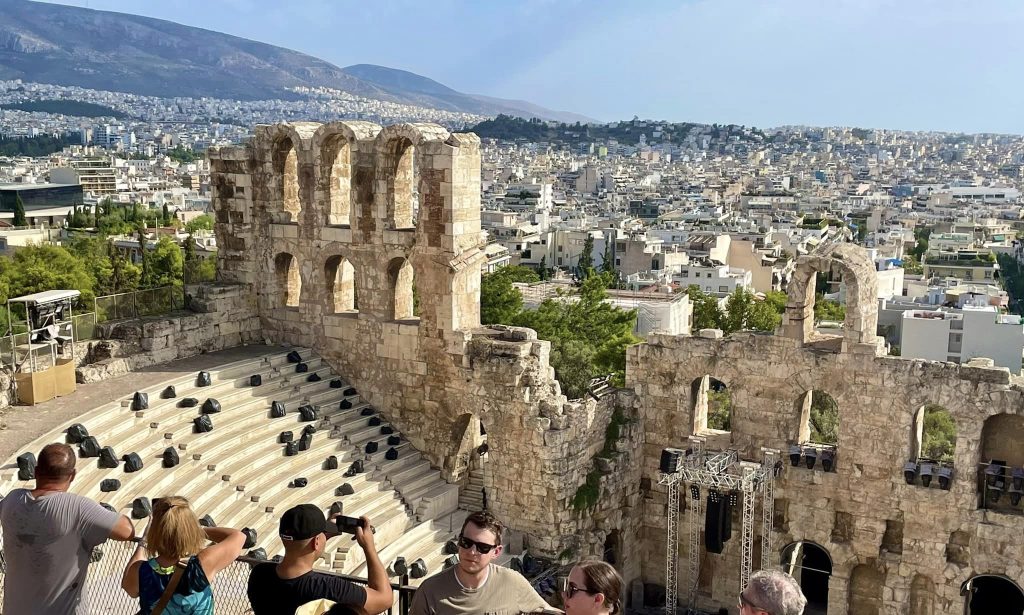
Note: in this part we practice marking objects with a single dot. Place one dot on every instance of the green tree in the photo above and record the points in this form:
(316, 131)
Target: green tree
(166, 263)
(544, 271)
(777, 300)
(763, 316)
(36, 268)
(19, 211)
(938, 439)
(826, 309)
(586, 262)
(203, 222)
(608, 260)
(147, 274)
(737, 306)
(824, 418)
(165, 217)
(719, 408)
(706, 313)
(500, 302)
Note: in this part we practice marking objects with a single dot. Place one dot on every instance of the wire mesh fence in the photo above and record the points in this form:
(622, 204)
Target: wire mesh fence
(149, 302)
(102, 592)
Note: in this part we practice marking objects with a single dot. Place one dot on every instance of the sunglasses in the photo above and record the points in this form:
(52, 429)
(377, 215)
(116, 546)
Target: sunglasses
(481, 547)
(569, 589)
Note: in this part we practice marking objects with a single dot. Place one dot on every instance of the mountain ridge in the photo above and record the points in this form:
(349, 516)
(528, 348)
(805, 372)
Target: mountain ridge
(121, 52)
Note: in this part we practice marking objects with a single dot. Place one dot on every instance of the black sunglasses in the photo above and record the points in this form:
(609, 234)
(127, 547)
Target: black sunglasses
(481, 547)
(569, 589)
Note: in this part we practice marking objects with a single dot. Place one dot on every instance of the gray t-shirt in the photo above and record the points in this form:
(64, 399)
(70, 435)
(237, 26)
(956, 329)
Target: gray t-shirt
(506, 592)
(47, 544)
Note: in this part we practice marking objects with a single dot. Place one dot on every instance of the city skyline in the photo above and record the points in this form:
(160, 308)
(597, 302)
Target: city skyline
(870, 63)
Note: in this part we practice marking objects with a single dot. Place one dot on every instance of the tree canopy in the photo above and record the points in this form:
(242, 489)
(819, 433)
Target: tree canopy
(743, 312)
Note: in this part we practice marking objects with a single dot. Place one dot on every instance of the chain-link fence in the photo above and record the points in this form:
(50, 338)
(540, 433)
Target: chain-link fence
(103, 594)
(149, 302)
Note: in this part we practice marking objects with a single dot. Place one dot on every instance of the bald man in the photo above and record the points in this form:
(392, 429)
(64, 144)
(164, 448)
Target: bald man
(49, 535)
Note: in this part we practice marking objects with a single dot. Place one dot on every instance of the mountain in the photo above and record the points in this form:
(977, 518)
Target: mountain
(430, 93)
(67, 45)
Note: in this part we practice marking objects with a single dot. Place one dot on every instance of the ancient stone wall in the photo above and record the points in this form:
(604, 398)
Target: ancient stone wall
(891, 544)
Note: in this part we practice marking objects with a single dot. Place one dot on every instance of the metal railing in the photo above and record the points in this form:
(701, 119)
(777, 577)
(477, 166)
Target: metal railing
(149, 302)
(84, 326)
(103, 594)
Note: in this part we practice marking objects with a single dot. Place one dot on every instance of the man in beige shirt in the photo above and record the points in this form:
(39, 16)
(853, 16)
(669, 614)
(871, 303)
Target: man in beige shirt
(477, 585)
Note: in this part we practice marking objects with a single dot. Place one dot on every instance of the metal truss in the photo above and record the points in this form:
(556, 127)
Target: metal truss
(671, 540)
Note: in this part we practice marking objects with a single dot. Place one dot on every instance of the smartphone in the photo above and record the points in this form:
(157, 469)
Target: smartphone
(348, 525)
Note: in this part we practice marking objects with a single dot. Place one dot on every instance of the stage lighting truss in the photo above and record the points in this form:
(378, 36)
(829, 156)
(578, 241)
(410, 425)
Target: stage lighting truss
(724, 472)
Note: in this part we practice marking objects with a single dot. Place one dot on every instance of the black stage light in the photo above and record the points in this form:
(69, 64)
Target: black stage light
(695, 492)
(927, 471)
(810, 457)
(828, 460)
(1015, 496)
(910, 472)
(995, 470)
(1018, 478)
(794, 455)
(945, 478)
(670, 460)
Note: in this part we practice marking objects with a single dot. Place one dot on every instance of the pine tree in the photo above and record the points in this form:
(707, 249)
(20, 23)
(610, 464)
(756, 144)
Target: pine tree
(166, 218)
(608, 262)
(586, 262)
(544, 272)
(146, 274)
(19, 212)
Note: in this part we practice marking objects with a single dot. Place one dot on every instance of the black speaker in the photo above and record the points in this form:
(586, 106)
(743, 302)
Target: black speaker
(203, 379)
(132, 462)
(670, 458)
(255, 380)
(169, 393)
(109, 484)
(277, 410)
(188, 402)
(391, 454)
(140, 401)
(77, 433)
(250, 538)
(307, 413)
(331, 463)
(26, 466)
(714, 518)
(336, 383)
(314, 377)
(285, 437)
(301, 368)
(202, 424)
(294, 357)
(170, 457)
(141, 508)
(108, 458)
(211, 406)
(90, 447)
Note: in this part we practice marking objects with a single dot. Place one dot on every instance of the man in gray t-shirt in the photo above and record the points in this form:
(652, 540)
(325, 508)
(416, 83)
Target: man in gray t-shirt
(49, 535)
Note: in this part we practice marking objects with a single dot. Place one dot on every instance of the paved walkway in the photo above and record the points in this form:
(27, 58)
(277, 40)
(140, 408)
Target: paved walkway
(20, 425)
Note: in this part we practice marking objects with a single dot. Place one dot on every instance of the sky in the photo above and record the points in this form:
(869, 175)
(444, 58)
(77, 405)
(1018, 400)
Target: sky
(901, 64)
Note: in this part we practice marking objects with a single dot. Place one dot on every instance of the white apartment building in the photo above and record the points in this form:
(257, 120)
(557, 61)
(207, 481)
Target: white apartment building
(717, 280)
(974, 331)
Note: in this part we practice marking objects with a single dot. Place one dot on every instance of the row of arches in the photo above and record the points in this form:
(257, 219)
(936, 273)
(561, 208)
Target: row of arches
(811, 565)
(344, 188)
(342, 288)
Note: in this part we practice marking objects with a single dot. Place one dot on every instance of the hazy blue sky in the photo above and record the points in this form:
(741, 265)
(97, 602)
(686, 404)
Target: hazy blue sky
(909, 64)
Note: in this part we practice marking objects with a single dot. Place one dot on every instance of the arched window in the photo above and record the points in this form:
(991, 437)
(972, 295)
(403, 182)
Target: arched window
(712, 405)
(286, 165)
(341, 284)
(1001, 474)
(287, 279)
(934, 434)
(866, 584)
(337, 157)
(811, 565)
(989, 593)
(819, 418)
(403, 194)
(400, 275)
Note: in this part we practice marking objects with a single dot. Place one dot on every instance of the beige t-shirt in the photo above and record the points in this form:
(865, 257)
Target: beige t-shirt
(505, 592)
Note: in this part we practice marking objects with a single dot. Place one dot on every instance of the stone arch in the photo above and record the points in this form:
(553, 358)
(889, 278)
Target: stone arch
(712, 405)
(287, 279)
(286, 167)
(1001, 450)
(861, 282)
(401, 284)
(992, 593)
(402, 176)
(819, 418)
(467, 437)
(612, 552)
(336, 157)
(811, 565)
(340, 276)
(865, 597)
(922, 595)
(929, 440)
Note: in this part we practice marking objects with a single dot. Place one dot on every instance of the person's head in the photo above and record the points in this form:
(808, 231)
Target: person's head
(175, 531)
(479, 542)
(55, 467)
(304, 531)
(593, 587)
(772, 592)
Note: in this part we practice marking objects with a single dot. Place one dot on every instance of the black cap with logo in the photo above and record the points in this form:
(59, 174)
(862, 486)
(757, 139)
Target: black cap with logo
(303, 522)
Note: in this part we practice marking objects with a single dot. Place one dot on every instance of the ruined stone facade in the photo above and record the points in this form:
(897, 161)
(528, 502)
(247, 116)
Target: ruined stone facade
(363, 243)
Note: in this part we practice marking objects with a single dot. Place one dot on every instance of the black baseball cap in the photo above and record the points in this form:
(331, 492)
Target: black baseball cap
(303, 522)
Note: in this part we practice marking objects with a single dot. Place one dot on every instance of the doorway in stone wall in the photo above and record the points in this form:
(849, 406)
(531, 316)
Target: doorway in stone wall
(988, 594)
(468, 462)
(811, 565)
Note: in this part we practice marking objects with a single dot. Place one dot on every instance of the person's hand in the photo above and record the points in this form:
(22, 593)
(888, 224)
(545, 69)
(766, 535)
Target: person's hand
(364, 535)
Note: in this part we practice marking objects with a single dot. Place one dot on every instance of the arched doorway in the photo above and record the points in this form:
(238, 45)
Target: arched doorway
(811, 565)
(990, 594)
(712, 405)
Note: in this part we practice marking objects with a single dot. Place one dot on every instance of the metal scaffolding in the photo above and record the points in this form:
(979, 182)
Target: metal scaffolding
(722, 470)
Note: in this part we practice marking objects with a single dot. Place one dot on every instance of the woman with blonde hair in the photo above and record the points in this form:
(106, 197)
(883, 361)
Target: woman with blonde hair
(171, 570)
(593, 588)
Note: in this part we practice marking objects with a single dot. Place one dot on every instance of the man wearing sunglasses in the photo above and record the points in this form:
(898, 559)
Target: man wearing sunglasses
(476, 584)
(772, 592)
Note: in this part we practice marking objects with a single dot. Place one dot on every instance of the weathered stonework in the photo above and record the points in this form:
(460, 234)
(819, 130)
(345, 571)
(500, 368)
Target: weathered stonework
(363, 243)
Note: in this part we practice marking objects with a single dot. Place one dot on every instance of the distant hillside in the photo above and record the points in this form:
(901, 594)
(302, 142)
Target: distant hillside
(67, 45)
(67, 107)
(510, 128)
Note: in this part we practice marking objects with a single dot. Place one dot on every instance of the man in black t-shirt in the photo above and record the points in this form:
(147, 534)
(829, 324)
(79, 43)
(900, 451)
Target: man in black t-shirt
(276, 589)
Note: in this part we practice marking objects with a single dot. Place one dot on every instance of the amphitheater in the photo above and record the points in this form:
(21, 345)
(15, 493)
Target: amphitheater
(349, 268)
